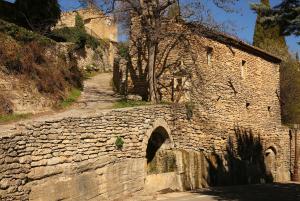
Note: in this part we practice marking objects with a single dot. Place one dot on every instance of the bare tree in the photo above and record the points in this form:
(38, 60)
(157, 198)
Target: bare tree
(149, 16)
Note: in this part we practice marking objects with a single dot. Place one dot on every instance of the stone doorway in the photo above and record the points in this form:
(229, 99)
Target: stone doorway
(270, 163)
(159, 154)
(161, 162)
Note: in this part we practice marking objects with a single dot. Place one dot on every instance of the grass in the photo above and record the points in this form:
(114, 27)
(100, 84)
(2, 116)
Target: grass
(89, 74)
(73, 96)
(129, 103)
(13, 117)
(22, 34)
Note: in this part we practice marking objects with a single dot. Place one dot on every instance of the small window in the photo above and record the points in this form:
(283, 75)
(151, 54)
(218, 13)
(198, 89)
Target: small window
(209, 51)
(243, 69)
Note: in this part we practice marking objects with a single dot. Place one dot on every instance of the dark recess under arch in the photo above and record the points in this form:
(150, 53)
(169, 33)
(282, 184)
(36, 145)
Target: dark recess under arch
(158, 137)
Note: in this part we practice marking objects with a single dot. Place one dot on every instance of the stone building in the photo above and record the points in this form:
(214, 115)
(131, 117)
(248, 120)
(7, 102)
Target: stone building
(232, 87)
(96, 24)
(225, 129)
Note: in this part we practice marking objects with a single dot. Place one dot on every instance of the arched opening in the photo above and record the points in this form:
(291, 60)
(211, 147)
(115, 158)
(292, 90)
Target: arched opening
(270, 162)
(159, 154)
(158, 138)
(161, 160)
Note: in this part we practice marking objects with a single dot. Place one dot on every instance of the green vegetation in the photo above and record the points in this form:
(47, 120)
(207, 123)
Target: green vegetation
(123, 49)
(119, 142)
(89, 74)
(23, 35)
(13, 117)
(269, 37)
(33, 56)
(286, 15)
(73, 96)
(290, 91)
(77, 35)
(129, 103)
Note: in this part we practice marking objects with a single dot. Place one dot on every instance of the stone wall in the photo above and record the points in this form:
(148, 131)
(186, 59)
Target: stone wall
(99, 59)
(23, 95)
(76, 157)
(233, 86)
(96, 23)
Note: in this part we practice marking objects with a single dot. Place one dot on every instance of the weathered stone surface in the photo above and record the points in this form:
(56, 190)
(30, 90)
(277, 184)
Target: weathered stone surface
(75, 157)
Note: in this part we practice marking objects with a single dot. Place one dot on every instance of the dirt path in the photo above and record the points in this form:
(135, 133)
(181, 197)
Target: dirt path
(97, 94)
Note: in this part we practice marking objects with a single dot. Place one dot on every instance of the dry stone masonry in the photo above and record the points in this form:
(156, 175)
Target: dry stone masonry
(230, 132)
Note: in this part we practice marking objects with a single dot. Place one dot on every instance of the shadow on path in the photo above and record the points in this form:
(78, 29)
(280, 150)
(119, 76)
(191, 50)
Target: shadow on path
(264, 192)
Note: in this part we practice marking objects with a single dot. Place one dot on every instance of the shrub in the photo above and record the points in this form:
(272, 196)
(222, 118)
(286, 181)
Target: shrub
(77, 35)
(119, 142)
(22, 34)
(34, 61)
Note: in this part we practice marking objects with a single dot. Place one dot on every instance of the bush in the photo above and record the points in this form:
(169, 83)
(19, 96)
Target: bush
(77, 35)
(34, 61)
(119, 142)
(21, 34)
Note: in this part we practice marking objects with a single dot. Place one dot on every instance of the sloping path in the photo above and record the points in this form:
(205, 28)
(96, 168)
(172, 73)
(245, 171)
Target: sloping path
(97, 94)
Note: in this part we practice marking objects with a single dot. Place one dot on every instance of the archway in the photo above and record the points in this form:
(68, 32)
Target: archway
(158, 139)
(160, 159)
(270, 162)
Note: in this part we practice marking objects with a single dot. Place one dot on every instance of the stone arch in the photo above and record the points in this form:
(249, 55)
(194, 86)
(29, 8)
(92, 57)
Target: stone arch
(270, 155)
(160, 158)
(160, 126)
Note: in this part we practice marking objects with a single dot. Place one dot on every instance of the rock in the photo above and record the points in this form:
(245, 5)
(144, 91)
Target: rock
(134, 97)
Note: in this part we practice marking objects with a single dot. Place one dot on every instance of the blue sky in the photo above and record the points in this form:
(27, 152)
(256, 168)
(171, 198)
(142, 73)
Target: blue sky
(243, 20)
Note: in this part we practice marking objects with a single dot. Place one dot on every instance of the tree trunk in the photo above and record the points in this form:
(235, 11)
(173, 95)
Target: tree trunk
(151, 74)
(296, 167)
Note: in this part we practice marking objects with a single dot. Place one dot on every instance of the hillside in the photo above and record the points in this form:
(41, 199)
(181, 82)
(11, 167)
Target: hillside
(36, 73)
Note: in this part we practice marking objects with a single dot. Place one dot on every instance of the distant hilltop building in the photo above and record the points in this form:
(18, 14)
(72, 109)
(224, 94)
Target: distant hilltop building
(95, 22)
(100, 26)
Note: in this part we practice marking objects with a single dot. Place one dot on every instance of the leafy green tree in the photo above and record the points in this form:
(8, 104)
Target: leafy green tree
(268, 37)
(38, 15)
(81, 35)
(79, 23)
(290, 91)
(286, 15)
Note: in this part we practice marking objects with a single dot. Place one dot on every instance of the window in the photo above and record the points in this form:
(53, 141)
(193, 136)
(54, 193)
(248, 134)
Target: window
(243, 69)
(209, 51)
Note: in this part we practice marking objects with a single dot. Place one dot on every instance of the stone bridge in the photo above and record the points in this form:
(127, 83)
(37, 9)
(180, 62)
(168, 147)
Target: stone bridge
(76, 157)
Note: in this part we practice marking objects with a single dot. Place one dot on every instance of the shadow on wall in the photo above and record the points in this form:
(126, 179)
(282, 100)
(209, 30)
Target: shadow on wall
(244, 162)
